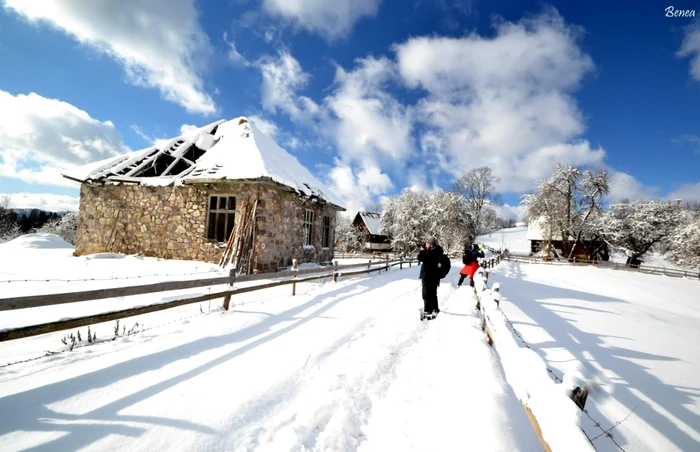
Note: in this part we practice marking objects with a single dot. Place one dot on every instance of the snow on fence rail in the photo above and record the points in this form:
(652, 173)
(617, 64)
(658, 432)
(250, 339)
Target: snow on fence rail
(32, 301)
(554, 417)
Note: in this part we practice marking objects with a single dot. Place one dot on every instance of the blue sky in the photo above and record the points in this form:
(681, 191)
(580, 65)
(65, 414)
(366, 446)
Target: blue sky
(373, 96)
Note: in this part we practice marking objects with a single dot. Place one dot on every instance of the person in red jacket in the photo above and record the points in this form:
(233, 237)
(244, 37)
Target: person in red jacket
(470, 264)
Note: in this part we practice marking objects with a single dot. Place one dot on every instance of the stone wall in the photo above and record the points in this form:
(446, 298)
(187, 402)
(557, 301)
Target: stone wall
(171, 222)
(280, 237)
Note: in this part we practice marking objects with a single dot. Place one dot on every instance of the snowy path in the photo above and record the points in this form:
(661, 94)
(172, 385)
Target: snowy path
(344, 366)
(639, 331)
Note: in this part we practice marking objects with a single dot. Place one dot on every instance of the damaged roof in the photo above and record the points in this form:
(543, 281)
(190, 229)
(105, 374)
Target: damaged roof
(223, 150)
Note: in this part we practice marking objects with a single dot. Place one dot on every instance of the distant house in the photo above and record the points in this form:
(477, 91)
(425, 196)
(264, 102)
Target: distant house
(586, 249)
(184, 199)
(369, 224)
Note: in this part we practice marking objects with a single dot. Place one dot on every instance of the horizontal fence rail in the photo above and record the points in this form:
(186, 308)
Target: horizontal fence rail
(63, 298)
(648, 269)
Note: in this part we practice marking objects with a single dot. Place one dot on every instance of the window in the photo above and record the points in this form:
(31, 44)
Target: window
(308, 226)
(326, 232)
(222, 216)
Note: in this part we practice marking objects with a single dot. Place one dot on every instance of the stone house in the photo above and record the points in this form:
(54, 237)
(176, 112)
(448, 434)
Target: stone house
(184, 199)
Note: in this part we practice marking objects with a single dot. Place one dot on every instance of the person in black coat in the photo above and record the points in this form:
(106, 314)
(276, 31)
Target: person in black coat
(430, 255)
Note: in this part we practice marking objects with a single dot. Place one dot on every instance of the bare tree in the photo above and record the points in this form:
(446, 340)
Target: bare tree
(478, 186)
(375, 206)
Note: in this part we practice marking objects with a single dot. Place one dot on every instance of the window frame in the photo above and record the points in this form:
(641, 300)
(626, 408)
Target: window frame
(226, 211)
(308, 226)
(326, 237)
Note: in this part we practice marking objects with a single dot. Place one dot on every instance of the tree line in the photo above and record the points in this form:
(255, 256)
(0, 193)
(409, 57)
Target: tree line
(14, 224)
(454, 217)
(570, 207)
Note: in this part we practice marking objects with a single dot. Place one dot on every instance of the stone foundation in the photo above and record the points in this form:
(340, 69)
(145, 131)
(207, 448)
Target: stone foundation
(171, 222)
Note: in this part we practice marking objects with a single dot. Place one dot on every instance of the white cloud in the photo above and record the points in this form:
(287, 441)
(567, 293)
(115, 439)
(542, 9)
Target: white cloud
(282, 77)
(329, 18)
(233, 54)
(43, 201)
(690, 140)
(358, 186)
(369, 125)
(503, 101)
(507, 211)
(691, 48)
(160, 43)
(687, 192)
(625, 186)
(265, 125)
(40, 137)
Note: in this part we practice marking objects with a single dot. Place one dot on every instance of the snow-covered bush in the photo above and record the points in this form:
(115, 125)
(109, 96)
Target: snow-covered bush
(638, 227)
(65, 227)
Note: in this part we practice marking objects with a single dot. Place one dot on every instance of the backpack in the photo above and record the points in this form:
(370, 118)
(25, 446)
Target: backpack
(443, 267)
(467, 258)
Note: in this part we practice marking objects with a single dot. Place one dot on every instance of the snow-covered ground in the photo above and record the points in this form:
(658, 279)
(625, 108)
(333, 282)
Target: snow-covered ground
(637, 332)
(514, 239)
(344, 366)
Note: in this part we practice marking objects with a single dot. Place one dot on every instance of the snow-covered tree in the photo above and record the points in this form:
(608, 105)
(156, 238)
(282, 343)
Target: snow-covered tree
(412, 217)
(566, 204)
(684, 242)
(451, 219)
(347, 236)
(639, 227)
(9, 226)
(478, 186)
(65, 227)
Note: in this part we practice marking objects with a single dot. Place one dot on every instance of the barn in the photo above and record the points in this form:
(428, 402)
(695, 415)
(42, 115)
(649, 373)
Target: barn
(185, 199)
(584, 249)
(368, 223)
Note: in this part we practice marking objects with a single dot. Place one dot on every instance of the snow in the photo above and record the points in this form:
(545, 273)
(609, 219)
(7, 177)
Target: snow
(34, 241)
(341, 366)
(636, 336)
(372, 221)
(241, 151)
(514, 239)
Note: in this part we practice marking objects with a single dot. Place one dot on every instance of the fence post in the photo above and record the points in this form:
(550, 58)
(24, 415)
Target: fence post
(574, 260)
(335, 271)
(294, 284)
(401, 263)
(227, 299)
(387, 262)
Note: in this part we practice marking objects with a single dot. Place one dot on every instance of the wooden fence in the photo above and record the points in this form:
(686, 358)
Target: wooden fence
(291, 277)
(647, 269)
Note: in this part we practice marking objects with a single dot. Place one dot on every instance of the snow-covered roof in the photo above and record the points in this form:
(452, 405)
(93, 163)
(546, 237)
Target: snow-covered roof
(372, 221)
(223, 150)
(534, 231)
